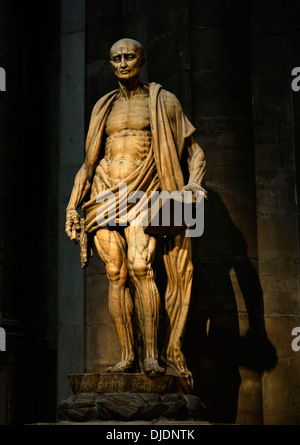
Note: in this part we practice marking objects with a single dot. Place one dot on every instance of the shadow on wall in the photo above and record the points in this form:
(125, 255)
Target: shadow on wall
(213, 345)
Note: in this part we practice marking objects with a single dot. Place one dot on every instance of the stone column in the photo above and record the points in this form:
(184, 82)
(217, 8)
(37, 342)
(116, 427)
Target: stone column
(277, 213)
(9, 311)
(169, 52)
(71, 278)
(28, 222)
(227, 298)
(294, 361)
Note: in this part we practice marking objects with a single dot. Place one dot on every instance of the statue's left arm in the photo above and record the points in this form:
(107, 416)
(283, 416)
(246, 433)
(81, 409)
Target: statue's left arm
(183, 131)
(196, 165)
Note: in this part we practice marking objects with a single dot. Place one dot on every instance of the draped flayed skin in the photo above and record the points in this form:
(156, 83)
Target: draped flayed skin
(160, 170)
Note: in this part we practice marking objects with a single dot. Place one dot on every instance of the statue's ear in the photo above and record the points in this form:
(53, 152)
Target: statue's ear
(112, 67)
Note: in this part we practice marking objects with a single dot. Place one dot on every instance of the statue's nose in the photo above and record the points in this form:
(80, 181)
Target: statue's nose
(123, 62)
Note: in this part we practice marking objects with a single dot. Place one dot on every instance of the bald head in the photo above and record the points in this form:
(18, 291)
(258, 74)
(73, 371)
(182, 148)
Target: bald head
(127, 43)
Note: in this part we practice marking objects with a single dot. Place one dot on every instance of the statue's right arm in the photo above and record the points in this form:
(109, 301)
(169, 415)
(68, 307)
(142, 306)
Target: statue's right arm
(80, 189)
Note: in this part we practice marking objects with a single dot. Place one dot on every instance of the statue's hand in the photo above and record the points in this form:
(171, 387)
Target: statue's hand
(73, 225)
(194, 187)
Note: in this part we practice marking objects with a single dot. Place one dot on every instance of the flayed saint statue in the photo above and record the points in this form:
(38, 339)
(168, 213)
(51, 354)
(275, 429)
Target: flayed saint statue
(138, 137)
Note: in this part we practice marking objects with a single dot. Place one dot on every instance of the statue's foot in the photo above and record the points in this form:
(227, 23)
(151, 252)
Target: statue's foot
(151, 366)
(122, 366)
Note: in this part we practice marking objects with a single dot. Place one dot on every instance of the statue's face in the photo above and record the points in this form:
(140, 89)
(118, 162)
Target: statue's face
(126, 59)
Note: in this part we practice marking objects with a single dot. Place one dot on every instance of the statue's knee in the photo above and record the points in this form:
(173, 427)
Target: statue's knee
(115, 274)
(140, 269)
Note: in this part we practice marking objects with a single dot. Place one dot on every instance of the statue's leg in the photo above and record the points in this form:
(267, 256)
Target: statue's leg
(140, 255)
(111, 247)
(179, 269)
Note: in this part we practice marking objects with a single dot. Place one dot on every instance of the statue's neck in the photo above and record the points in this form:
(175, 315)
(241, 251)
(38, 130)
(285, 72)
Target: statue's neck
(130, 88)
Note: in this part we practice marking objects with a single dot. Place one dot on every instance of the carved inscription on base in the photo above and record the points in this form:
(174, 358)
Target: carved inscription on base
(125, 382)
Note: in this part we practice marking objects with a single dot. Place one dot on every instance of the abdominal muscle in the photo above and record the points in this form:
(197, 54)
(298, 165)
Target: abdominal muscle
(125, 151)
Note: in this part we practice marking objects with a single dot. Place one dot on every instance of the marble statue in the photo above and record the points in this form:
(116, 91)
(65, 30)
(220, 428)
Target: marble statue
(137, 136)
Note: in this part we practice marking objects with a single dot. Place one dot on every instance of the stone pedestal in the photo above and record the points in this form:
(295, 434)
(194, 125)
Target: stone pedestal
(129, 397)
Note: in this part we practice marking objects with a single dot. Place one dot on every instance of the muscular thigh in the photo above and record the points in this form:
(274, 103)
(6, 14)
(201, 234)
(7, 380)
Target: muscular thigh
(141, 247)
(111, 247)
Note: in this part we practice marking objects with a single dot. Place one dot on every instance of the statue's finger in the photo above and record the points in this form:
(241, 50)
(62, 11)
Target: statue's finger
(74, 234)
(68, 229)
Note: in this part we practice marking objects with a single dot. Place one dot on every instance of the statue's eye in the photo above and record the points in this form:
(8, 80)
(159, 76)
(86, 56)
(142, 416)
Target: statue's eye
(129, 56)
(116, 59)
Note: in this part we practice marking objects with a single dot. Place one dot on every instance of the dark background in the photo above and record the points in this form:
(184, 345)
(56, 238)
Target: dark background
(229, 63)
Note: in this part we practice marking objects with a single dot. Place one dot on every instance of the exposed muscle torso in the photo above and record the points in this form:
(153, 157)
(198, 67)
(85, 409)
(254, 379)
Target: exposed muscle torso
(128, 136)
